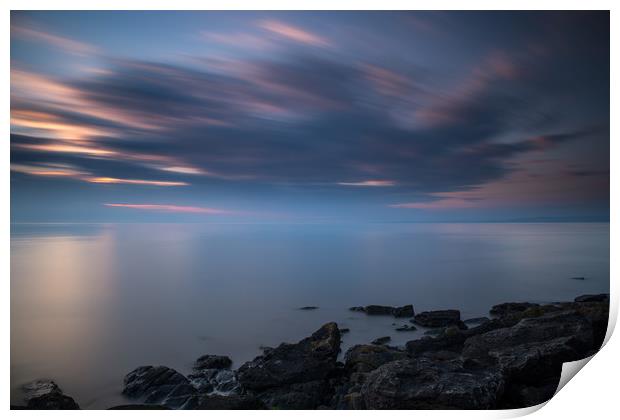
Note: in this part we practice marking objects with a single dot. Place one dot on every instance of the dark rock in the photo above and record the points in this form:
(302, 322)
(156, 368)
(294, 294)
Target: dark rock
(158, 385)
(382, 340)
(139, 407)
(224, 402)
(44, 394)
(299, 396)
(592, 298)
(344, 330)
(406, 328)
(398, 312)
(436, 319)
(403, 312)
(354, 401)
(368, 357)
(480, 320)
(578, 278)
(533, 349)
(422, 383)
(504, 309)
(434, 331)
(308, 308)
(311, 359)
(209, 361)
(222, 381)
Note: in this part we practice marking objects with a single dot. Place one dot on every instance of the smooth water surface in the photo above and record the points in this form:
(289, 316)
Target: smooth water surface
(89, 303)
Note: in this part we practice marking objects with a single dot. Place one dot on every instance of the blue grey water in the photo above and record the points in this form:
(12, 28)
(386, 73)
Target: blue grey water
(91, 302)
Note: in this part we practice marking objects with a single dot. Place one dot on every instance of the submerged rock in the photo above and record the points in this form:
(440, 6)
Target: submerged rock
(592, 298)
(308, 308)
(437, 319)
(474, 321)
(382, 340)
(406, 328)
(44, 394)
(397, 312)
(509, 308)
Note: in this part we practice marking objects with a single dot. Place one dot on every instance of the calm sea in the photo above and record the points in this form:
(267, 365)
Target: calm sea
(89, 303)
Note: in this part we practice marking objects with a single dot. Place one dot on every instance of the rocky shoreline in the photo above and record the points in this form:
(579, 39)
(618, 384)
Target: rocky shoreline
(510, 360)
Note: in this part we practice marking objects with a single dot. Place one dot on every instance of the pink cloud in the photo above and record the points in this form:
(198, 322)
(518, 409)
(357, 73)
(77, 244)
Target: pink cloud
(441, 204)
(170, 208)
(293, 33)
(369, 183)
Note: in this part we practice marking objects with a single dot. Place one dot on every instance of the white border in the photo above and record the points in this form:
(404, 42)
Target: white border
(592, 394)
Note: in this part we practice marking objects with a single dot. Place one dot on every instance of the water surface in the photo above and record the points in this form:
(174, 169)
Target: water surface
(89, 303)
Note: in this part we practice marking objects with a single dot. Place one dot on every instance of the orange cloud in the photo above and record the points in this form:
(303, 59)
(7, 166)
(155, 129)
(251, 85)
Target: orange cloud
(293, 33)
(369, 183)
(108, 180)
(47, 170)
(170, 208)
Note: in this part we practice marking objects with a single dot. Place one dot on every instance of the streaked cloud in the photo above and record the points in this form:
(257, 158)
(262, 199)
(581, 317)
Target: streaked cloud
(369, 183)
(170, 208)
(66, 44)
(109, 180)
(293, 33)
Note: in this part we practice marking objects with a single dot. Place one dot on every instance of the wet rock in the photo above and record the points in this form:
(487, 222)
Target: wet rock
(353, 401)
(210, 361)
(158, 385)
(422, 383)
(406, 328)
(312, 358)
(308, 308)
(437, 319)
(504, 309)
(368, 357)
(220, 381)
(592, 298)
(381, 340)
(44, 394)
(474, 321)
(434, 331)
(398, 312)
(139, 407)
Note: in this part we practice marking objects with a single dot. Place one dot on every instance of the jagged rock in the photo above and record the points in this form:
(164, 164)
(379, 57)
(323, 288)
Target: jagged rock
(533, 349)
(592, 298)
(367, 357)
(508, 308)
(210, 361)
(381, 340)
(221, 381)
(44, 394)
(437, 319)
(312, 358)
(422, 383)
(353, 401)
(139, 407)
(158, 385)
(298, 396)
(398, 312)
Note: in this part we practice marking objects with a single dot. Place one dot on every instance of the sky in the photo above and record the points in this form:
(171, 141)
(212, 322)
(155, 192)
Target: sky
(309, 116)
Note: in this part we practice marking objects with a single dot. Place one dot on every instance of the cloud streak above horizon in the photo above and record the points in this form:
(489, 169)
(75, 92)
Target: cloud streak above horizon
(265, 108)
